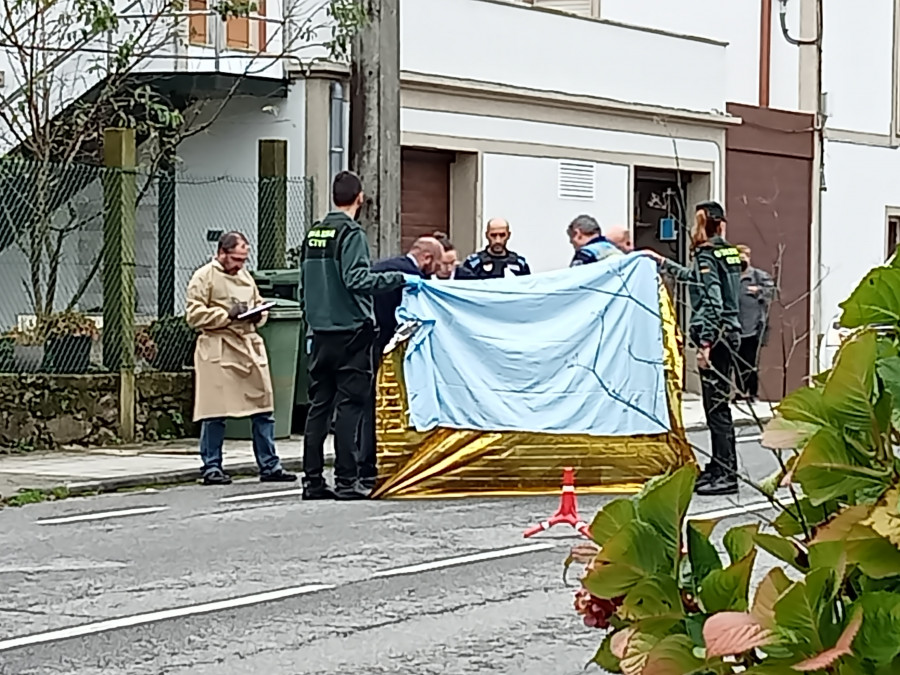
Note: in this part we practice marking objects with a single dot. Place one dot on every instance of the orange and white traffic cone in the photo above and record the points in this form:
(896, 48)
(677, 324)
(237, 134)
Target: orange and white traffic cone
(567, 513)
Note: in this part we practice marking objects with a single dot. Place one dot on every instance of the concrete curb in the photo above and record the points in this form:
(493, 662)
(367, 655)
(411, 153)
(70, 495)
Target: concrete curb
(239, 469)
(171, 478)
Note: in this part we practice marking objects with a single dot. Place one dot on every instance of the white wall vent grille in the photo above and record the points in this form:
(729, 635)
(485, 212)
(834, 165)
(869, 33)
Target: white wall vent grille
(577, 180)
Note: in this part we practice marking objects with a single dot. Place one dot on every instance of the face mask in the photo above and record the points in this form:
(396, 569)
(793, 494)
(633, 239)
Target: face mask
(744, 265)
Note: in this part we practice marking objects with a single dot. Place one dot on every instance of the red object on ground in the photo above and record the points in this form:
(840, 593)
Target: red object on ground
(567, 513)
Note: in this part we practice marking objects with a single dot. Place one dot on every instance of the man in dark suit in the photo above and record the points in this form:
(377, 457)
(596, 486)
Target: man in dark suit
(450, 267)
(423, 259)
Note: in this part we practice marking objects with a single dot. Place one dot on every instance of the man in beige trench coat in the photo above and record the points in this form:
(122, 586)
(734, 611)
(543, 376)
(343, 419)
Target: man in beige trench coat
(230, 362)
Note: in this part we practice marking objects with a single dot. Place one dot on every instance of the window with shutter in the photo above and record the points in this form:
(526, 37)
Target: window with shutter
(237, 32)
(198, 34)
(248, 32)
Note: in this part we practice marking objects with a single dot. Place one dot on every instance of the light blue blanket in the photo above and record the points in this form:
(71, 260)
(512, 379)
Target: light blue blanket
(571, 351)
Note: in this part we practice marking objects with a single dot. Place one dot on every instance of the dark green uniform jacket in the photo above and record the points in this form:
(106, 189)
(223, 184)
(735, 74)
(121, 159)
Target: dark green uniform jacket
(714, 283)
(336, 278)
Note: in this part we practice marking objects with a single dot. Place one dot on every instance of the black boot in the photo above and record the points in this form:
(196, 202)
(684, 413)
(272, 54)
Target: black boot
(719, 485)
(349, 490)
(316, 488)
(706, 476)
(711, 472)
(278, 476)
(216, 477)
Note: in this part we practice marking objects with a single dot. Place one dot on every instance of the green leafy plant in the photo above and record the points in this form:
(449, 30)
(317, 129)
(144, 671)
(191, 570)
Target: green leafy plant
(68, 324)
(675, 606)
(27, 337)
(228, 9)
(36, 496)
(144, 346)
(68, 336)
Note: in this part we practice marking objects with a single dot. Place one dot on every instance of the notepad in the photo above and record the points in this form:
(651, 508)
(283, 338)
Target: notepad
(259, 309)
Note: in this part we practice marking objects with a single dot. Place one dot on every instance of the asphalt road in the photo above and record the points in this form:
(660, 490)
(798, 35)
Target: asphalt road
(191, 580)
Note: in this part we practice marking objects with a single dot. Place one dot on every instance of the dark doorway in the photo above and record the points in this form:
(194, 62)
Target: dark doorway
(424, 193)
(660, 223)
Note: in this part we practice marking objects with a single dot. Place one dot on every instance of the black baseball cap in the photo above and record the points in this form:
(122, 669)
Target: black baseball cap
(713, 210)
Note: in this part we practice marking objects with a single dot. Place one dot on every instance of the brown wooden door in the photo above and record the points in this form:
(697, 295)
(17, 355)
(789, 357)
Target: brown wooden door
(769, 205)
(424, 193)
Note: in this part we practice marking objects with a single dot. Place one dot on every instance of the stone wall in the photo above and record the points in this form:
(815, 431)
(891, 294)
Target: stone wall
(44, 412)
(165, 406)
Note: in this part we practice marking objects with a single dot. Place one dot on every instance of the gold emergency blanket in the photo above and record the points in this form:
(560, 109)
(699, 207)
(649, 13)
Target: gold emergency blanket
(453, 463)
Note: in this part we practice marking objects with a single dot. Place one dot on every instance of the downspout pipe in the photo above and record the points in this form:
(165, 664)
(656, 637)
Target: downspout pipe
(765, 52)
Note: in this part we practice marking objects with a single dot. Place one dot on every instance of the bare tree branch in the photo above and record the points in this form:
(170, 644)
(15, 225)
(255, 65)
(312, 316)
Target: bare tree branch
(81, 68)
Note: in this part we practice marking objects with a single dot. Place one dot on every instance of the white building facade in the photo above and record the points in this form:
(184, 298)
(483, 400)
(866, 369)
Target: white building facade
(630, 110)
(861, 201)
(540, 110)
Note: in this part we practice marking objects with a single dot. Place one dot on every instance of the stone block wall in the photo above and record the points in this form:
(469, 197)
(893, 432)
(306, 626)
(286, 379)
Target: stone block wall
(46, 412)
(165, 406)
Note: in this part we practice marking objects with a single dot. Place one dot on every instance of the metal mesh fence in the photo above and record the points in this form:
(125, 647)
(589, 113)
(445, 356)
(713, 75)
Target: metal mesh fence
(55, 236)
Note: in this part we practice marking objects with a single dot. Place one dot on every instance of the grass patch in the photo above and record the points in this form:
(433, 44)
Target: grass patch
(24, 497)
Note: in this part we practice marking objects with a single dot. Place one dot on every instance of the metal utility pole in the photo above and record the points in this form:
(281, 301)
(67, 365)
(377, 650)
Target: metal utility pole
(375, 123)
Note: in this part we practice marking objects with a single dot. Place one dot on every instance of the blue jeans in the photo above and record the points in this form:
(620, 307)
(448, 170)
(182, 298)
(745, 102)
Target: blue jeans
(212, 436)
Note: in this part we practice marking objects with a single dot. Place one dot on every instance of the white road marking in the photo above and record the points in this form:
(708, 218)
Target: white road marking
(102, 515)
(270, 596)
(163, 615)
(736, 510)
(261, 495)
(749, 439)
(463, 560)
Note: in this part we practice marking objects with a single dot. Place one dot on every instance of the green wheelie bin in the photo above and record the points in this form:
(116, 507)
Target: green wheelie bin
(286, 284)
(281, 333)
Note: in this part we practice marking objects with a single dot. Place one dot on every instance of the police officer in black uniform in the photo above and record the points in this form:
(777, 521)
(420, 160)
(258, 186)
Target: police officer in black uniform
(493, 261)
(714, 283)
(338, 286)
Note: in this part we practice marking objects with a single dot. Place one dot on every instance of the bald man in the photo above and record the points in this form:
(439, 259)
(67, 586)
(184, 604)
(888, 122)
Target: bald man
(423, 259)
(593, 245)
(494, 261)
(620, 237)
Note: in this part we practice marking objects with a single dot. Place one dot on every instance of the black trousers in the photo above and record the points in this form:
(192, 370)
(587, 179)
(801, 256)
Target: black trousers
(716, 387)
(340, 379)
(368, 448)
(748, 366)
